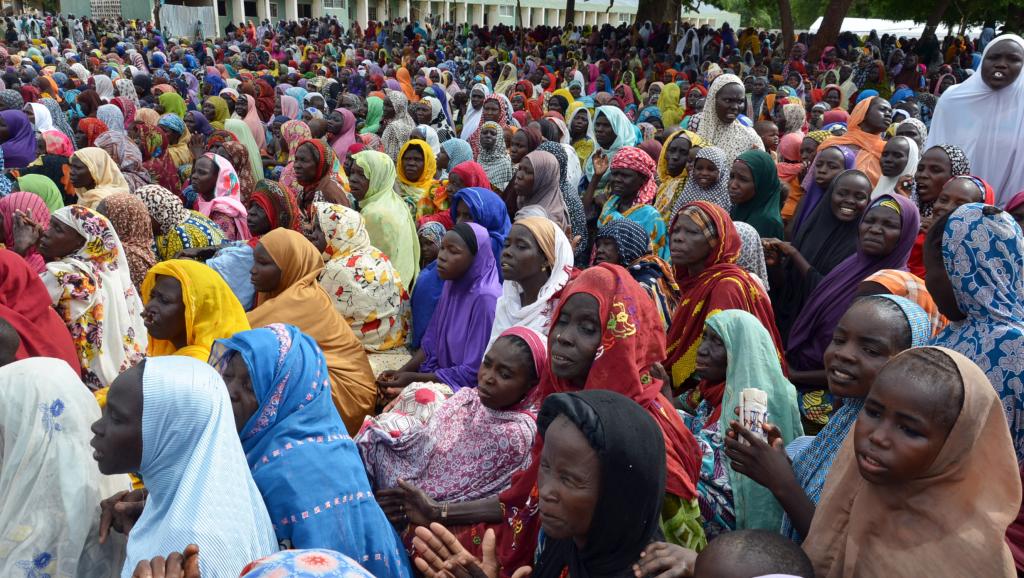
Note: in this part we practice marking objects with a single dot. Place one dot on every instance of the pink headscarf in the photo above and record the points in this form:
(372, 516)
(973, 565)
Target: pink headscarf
(252, 120)
(347, 136)
(226, 197)
(289, 107)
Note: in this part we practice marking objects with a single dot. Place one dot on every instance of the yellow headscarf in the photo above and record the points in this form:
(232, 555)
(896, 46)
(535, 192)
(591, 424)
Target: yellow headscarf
(211, 309)
(416, 189)
(668, 103)
(670, 187)
(106, 176)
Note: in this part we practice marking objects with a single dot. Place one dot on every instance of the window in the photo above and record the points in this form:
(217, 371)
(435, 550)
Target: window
(371, 13)
(305, 11)
(222, 8)
(506, 10)
(249, 8)
(273, 9)
(334, 4)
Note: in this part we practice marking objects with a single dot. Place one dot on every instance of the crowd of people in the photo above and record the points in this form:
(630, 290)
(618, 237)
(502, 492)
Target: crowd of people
(451, 301)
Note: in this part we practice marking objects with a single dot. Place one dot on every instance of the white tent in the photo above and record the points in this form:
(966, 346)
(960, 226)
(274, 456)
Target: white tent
(908, 28)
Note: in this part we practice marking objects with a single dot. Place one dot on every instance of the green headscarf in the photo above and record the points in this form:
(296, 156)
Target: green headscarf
(374, 114)
(172, 103)
(763, 211)
(388, 220)
(220, 107)
(668, 103)
(45, 188)
(244, 135)
(753, 363)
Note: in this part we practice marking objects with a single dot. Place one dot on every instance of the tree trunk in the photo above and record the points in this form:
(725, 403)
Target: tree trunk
(835, 13)
(570, 12)
(656, 11)
(935, 17)
(786, 20)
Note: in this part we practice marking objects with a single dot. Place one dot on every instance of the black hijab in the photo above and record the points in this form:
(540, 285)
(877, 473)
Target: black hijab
(631, 449)
(824, 241)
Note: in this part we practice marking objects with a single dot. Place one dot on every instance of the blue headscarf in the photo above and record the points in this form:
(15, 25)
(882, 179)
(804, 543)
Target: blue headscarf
(900, 95)
(302, 459)
(865, 94)
(172, 122)
(215, 82)
(812, 465)
(458, 151)
(489, 211)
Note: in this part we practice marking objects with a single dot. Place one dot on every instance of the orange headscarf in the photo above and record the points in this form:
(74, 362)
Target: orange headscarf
(869, 157)
(405, 80)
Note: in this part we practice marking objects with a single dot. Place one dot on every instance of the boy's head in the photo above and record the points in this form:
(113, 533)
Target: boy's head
(751, 553)
(769, 133)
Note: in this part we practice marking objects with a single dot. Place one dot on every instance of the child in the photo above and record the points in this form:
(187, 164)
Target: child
(927, 484)
(743, 553)
(769, 133)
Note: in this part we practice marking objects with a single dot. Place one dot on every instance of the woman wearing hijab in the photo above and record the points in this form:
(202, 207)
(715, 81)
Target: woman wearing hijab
(672, 112)
(674, 171)
(126, 156)
(718, 125)
(17, 139)
(471, 120)
(96, 176)
(398, 124)
(346, 134)
(52, 487)
(387, 217)
(537, 183)
(635, 204)
(247, 113)
(216, 112)
(416, 167)
(190, 456)
(177, 228)
(868, 121)
(708, 180)
(755, 192)
(215, 193)
(130, 219)
(111, 116)
(493, 156)
(40, 116)
(612, 131)
(156, 161)
(178, 139)
(276, 364)
(26, 306)
(33, 207)
(286, 272)
(374, 114)
(245, 136)
(363, 284)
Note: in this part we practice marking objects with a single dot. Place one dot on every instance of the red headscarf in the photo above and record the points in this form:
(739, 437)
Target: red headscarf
(471, 174)
(635, 159)
(91, 127)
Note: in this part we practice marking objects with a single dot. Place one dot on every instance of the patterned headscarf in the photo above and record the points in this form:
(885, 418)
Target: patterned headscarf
(130, 219)
(631, 240)
(495, 161)
(92, 128)
(718, 193)
(164, 207)
(279, 206)
(59, 117)
(634, 159)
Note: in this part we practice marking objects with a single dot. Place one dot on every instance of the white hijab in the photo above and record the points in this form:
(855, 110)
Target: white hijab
(886, 185)
(987, 124)
(473, 115)
(43, 118)
(52, 487)
(536, 316)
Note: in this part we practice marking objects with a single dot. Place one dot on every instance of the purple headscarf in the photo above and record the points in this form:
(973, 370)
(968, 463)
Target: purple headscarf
(814, 192)
(20, 147)
(458, 333)
(812, 330)
(202, 124)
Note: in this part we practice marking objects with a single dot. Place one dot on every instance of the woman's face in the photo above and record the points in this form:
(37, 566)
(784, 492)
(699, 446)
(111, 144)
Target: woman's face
(729, 102)
(677, 155)
(306, 161)
(80, 175)
(265, 274)
(687, 243)
(454, 258)
(910, 131)
(575, 91)
(742, 187)
(243, 400)
(793, 81)
(524, 179)
(626, 182)
(808, 148)
(455, 184)
(389, 110)
(476, 99)
(518, 103)
(850, 197)
(878, 117)
(933, 171)
(506, 373)
(879, 231)
(894, 157)
(164, 314)
(833, 98)
(491, 112)
(488, 138)
(442, 160)
(693, 97)
(568, 482)
(827, 166)
(603, 131)
(712, 357)
(428, 251)
(522, 259)
(59, 241)
(30, 113)
(946, 82)
(463, 214)
(257, 219)
(190, 122)
(578, 126)
(519, 146)
(358, 182)
(1002, 64)
(209, 111)
(866, 337)
(574, 339)
(606, 251)
(955, 193)
(204, 177)
(117, 435)
(242, 106)
(412, 164)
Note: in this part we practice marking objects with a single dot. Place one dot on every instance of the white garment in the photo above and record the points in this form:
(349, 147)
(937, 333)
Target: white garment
(472, 119)
(573, 169)
(887, 185)
(43, 118)
(988, 125)
(51, 485)
(734, 139)
(200, 488)
(536, 316)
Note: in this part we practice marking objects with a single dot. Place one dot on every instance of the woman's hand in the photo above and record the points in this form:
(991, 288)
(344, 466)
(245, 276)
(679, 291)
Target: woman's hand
(601, 164)
(197, 145)
(26, 232)
(391, 383)
(765, 463)
(440, 555)
(664, 560)
(407, 504)
(121, 511)
(176, 565)
(905, 185)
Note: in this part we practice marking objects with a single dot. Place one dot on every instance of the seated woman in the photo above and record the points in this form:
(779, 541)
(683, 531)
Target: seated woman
(537, 263)
(188, 306)
(429, 285)
(872, 496)
(285, 274)
(362, 283)
(214, 193)
(485, 208)
(885, 236)
(632, 186)
(707, 181)
(597, 342)
(705, 247)
(91, 288)
(899, 161)
(536, 182)
(454, 344)
(937, 166)
(873, 330)
(52, 488)
(623, 242)
(756, 193)
(387, 217)
(170, 419)
(25, 305)
(126, 155)
(824, 167)
(95, 176)
(277, 374)
(474, 442)
(416, 185)
(493, 155)
(319, 174)
(823, 241)
(868, 121)
(130, 219)
(32, 206)
(737, 353)
(175, 227)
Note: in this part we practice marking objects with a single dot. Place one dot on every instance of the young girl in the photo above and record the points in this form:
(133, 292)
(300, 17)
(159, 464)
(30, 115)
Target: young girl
(899, 159)
(708, 181)
(927, 483)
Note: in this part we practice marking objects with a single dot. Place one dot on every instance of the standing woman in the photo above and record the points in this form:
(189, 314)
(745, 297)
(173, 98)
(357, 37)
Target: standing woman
(756, 191)
(964, 116)
(387, 217)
